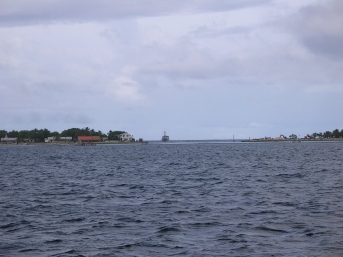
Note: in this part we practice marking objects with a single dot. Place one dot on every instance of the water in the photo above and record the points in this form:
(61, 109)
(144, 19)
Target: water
(182, 199)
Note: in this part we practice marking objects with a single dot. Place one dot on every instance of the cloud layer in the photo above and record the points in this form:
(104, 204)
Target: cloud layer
(40, 11)
(200, 69)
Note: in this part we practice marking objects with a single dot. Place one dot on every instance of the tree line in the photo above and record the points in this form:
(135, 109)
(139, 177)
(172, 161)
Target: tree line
(327, 134)
(40, 134)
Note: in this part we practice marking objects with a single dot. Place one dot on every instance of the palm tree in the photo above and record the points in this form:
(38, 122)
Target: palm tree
(327, 134)
(335, 133)
(86, 129)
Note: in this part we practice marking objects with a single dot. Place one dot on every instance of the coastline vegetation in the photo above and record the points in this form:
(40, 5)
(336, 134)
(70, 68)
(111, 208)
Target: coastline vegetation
(327, 134)
(39, 135)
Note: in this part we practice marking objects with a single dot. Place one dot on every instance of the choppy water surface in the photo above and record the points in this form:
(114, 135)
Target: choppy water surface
(204, 199)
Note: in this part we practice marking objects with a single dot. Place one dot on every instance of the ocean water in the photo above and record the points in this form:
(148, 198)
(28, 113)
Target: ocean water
(172, 199)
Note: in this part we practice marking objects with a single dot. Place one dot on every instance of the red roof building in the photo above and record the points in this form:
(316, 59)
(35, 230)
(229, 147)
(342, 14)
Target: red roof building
(89, 138)
(96, 138)
(85, 138)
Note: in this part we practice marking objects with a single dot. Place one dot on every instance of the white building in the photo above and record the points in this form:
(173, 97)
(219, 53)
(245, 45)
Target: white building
(66, 138)
(9, 140)
(49, 139)
(126, 137)
(53, 139)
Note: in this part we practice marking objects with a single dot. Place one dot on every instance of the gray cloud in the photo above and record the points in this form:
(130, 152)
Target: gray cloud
(320, 28)
(208, 32)
(21, 13)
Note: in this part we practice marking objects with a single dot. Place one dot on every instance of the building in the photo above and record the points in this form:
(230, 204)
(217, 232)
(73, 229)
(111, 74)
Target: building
(49, 139)
(7, 140)
(96, 138)
(66, 138)
(53, 139)
(126, 137)
(89, 138)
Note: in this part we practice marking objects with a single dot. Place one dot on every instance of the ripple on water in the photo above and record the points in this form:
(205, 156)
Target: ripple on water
(204, 199)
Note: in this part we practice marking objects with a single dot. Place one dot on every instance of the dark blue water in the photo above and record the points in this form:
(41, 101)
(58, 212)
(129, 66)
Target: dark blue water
(204, 199)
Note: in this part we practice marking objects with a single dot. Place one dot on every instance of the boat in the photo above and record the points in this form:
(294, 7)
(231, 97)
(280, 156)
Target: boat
(165, 138)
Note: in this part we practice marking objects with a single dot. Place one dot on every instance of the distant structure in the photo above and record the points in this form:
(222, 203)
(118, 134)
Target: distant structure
(89, 138)
(308, 136)
(49, 139)
(165, 138)
(66, 139)
(7, 139)
(281, 137)
(54, 139)
(126, 137)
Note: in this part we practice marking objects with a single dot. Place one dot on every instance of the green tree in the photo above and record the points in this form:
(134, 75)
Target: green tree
(327, 134)
(23, 134)
(3, 133)
(114, 135)
(40, 135)
(32, 134)
(55, 134)
(46, 133)
(86, 132)
(335, 133)
(72, 132)
(13, 133)
(75, 132)
(293, 136)
(101, 134)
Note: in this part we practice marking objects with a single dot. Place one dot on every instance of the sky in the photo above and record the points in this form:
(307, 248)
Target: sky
(198, 69)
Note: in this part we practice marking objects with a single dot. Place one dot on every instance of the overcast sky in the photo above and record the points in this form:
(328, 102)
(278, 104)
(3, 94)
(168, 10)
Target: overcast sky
(199, 69)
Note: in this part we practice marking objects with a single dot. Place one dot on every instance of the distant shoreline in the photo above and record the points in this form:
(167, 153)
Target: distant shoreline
(176, 141)
(292, 140)
(71, 143)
